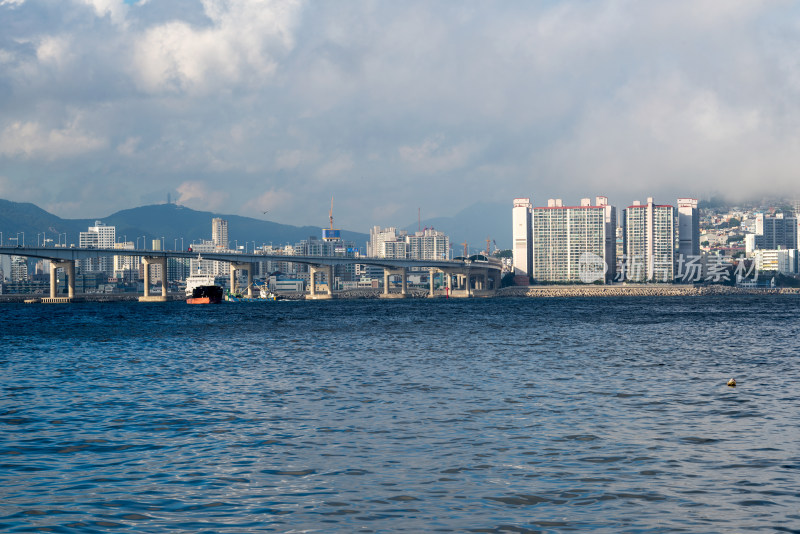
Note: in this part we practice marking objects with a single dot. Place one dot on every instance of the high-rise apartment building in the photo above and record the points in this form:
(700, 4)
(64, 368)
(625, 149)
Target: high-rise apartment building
(126, 267)
(429, 244)
(219, 233)
(387, 243)
(778, 232)
(19, 269)
(688, 227)
(98, 236)
(521, 237)
(573, 243)
(649, 242)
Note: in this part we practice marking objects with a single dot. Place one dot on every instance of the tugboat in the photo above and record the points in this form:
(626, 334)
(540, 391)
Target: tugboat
(264, 295)
(206, 295)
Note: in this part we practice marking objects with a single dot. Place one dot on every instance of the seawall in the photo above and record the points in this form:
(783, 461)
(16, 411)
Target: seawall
(644, 290)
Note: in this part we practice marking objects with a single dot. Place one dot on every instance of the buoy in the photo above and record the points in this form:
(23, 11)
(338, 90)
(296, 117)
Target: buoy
(732, 383)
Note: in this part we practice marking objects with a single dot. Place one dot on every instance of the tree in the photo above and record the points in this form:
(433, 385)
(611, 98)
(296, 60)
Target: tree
(507, 280)
(504, 254)
(734, 222)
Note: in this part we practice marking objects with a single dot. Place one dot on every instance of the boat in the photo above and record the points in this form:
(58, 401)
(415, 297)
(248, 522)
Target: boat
(264, 295)
(206, 295)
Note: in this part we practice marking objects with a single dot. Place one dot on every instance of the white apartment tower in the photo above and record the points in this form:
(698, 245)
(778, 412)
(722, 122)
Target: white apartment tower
(219, 233)
(429, 244)
(386, 243)
(19, 269)
(126, 266)
(98, 236)
(574, 243)
(688, 228)
(649, 242)
(521, 236)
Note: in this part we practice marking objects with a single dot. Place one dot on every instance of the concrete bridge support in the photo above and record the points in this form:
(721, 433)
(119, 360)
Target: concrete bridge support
(146, 262)
(461, 288)
(69, 270)
(244, 267)
(312, 271)
(388, 273)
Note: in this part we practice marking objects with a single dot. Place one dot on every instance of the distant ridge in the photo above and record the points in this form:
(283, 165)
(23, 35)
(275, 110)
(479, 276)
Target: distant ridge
(170, 221)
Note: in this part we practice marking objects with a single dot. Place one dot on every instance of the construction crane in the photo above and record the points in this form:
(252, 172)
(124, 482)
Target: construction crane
(488, 242)
(466, 252)
(331, 213)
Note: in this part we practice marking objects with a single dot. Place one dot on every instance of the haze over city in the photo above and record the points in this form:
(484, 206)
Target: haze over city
(250, 107)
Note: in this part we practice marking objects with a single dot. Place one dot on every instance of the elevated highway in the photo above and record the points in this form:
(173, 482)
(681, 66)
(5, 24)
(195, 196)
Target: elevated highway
(463, 276)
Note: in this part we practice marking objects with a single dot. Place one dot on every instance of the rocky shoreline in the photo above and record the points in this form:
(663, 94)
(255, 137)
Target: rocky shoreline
(654, 290)
(638, 291)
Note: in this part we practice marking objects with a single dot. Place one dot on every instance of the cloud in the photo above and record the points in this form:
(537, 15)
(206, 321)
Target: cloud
(241, 43)
(269, 202)
(336, 167)
(31, 140)
(129, 146)
(433, 156)
(116, 10)
(376, 101)
(198, 195)
(291, 159)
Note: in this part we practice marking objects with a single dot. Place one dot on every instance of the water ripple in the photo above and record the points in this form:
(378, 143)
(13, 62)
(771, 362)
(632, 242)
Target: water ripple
(523, 415)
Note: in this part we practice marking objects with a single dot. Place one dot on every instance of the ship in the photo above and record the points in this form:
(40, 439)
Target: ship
(264, 295)
(202, 289)
(206, 295)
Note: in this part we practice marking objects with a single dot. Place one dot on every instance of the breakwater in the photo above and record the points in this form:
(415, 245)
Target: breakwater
(655, 290)
(644, 290)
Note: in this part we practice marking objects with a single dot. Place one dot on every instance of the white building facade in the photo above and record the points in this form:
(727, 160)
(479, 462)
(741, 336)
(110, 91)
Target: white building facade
(649, 242)
(521, 236)
(98, 236)
(688, 227)
(574, 243)
(219, 233)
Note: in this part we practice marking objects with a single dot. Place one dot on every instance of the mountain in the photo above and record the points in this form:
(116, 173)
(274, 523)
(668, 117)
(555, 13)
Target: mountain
(168, 221)
(474, 225)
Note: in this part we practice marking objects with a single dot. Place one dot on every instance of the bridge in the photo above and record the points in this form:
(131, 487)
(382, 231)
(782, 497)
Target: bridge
(464, 277)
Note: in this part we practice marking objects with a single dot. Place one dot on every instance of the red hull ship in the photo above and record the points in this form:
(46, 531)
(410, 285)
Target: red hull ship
(205, 295)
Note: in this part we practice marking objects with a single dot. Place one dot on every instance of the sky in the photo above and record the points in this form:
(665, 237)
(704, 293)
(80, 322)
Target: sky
(269, 109)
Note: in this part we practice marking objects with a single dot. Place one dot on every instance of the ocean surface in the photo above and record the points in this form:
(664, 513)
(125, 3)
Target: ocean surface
(501, 415)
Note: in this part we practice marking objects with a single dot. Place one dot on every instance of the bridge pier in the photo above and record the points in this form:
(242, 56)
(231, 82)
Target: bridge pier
(69, 271)
(245, 267)
(403, 274)
(146, 262)
(312, 271)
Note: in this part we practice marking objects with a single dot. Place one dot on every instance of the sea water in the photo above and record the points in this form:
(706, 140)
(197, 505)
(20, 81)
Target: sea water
(501, 415)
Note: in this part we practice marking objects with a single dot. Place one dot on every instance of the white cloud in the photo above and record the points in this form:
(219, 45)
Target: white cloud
(434, 156)
(198, 195)
(116, 10)
(129, 147)
(54, 50)
(336, 167)
(31, 140)
(291, 159)
(274, 199)
(560, 98)
(242, 43)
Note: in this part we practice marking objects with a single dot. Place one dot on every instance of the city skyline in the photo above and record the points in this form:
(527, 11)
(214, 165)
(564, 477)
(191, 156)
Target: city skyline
(255, 107)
